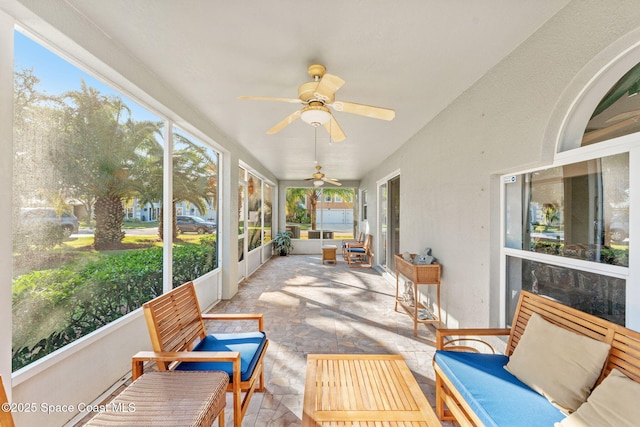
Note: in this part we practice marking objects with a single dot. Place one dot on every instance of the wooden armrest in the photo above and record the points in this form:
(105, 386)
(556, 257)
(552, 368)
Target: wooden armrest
(235, 316)
(442, 333)
(137, 361)
(354, 245)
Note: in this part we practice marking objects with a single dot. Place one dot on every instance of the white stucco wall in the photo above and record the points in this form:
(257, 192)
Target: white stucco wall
(506, 121)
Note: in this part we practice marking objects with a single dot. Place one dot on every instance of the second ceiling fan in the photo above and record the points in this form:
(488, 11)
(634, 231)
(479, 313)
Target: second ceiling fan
(319, 178)
(317, 96)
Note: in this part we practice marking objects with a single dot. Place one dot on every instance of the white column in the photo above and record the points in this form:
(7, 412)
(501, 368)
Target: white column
(6, 177)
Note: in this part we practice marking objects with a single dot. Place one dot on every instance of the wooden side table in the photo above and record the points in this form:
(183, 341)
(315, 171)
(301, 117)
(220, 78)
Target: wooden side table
(329, 253)
(428, 274)
(170, 398)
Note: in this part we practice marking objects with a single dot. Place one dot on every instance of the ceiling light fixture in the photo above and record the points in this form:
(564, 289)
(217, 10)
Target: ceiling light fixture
(315, 115)
(318, 183)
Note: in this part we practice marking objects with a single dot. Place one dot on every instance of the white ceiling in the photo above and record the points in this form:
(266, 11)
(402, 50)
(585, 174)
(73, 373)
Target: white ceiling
(414, 56)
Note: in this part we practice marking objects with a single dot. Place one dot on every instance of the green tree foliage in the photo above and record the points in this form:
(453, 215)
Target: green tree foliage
(296, 196)
(37, 122)
(194, 175)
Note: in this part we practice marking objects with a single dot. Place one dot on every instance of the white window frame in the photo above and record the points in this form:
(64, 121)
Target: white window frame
(628, 143)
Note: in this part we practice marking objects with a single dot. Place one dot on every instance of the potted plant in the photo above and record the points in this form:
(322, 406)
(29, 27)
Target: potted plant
(282, 243)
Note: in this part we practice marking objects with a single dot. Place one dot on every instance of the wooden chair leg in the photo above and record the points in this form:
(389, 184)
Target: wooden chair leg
(237, 406)
(221, 418)
(261, 386)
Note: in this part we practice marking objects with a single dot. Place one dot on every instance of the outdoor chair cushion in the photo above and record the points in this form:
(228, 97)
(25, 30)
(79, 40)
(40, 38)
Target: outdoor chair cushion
(248, 344)
(560, 364)
(613, 403)
(356, 250)
(496, 396)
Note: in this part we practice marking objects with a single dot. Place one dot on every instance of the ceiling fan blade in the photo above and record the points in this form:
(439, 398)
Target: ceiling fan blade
(364, 110)
(334, 129)
(284, 123)
(332, 181)
(328, 86)
(267, 98)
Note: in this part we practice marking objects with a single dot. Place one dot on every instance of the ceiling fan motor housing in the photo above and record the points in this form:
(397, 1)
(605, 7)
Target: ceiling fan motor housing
(307, 93)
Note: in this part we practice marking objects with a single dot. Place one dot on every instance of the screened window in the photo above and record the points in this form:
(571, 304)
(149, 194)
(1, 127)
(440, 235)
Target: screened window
(364, 205)
(254, 208)
(259, 206)
(195, 196)
(267, 210)
(82, 255)
(87, 201)
(310, 210)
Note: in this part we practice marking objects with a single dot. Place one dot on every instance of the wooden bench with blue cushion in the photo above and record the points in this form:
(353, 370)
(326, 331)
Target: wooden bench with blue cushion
(180, 342)
(562, 367)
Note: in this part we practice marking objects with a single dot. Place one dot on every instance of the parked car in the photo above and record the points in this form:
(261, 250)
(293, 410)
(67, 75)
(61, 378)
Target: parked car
(34, 218)
(194, 224)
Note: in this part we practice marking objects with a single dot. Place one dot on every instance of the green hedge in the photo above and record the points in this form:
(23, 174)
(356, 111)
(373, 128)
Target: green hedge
(53, 308)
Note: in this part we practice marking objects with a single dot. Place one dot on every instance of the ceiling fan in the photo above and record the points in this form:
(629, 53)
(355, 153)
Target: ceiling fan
(317, 96)
(319, 179)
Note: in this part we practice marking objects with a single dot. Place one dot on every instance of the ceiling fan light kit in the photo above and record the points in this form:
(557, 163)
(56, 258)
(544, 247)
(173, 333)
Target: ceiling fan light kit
(315, 115)
(316, 96)
(319, 179)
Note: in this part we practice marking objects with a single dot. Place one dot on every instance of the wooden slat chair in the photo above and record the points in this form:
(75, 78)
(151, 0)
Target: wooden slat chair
(180, 341)
(358, 242)
(6, 419)
(357, 255)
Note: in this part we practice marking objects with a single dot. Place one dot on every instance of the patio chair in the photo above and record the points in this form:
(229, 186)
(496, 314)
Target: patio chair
(180, 341)
(6, 419)
(358, 242)
(358, 255)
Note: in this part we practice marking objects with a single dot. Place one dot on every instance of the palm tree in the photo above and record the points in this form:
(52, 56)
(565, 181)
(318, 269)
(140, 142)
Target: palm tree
(100, 145)
(194, 175)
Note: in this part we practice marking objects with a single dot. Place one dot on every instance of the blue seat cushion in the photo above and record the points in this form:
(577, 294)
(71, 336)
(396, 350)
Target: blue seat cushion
(497, 397)
(248, 344)
(356, 250)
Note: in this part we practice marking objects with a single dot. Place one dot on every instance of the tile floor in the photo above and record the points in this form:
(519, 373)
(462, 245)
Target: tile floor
(311, 307)
(314, 308)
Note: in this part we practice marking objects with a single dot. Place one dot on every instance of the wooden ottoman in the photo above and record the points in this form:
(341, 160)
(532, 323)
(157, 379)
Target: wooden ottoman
(168, 398)
(329, 253)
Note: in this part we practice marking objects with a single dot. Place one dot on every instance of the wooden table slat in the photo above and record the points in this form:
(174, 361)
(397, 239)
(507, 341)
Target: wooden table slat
(363, 390)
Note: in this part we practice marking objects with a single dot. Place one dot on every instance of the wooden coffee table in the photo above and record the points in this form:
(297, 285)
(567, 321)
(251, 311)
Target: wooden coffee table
(360, 388)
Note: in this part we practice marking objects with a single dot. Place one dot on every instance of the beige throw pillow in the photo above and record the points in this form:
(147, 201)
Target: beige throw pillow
(561, 365)
(614, 403)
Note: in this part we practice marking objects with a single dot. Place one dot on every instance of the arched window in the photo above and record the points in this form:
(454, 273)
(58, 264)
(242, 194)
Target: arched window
(618, 113)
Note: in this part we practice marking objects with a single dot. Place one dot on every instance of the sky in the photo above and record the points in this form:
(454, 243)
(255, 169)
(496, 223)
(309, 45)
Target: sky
(58, 76)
